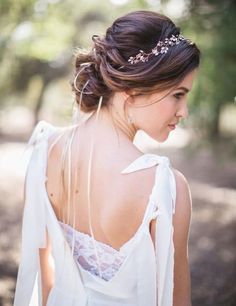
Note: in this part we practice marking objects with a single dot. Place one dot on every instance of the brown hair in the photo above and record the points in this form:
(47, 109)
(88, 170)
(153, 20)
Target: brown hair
(139, 30)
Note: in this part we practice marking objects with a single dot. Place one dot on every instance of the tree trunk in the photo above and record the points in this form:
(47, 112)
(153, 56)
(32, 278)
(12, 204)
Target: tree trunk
(39, 102)
(214, 129)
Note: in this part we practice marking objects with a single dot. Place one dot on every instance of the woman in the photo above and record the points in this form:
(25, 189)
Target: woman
(105, 224)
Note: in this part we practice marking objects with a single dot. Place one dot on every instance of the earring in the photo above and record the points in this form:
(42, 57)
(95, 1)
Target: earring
(130, 119)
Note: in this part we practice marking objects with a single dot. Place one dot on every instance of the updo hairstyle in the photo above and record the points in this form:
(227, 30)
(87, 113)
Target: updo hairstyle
(105, 68)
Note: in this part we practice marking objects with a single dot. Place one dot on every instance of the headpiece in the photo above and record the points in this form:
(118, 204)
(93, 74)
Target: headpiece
(161, 48)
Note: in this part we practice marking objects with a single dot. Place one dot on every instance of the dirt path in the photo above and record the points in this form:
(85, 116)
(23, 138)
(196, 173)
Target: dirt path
(212, 250)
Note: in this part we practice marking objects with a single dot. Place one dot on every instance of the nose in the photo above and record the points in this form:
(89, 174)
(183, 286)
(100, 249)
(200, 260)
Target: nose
(183, 111)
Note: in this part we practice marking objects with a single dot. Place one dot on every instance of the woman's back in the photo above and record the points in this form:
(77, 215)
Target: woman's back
(134, 283)
(118, 201)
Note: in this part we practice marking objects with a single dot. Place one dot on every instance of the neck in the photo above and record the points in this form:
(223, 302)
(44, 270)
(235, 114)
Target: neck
(113, 118)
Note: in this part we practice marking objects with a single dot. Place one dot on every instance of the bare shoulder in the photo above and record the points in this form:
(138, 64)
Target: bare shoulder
(181, 181)
(56, 145)
(183, 193)
(183, 211)
(57, 140)
(181, 224)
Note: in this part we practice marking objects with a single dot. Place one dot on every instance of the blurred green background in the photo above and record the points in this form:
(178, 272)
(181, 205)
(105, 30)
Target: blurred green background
(37, 41)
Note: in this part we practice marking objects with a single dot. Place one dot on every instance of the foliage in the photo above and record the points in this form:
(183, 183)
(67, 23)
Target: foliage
(38, 38)
(213, 24)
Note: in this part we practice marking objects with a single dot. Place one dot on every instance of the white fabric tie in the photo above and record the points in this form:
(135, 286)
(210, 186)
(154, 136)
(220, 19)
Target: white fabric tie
(164, 197)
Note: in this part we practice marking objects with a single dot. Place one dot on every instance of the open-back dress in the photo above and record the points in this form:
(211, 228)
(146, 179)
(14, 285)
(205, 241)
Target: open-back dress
(138, 274)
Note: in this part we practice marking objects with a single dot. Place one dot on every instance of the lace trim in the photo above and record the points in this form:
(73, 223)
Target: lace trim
(84, 253)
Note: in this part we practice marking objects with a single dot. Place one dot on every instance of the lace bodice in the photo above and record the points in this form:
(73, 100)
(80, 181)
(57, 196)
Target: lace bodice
(110, 259)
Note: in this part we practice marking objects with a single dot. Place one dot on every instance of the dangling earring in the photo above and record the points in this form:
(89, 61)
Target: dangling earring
(130, 119)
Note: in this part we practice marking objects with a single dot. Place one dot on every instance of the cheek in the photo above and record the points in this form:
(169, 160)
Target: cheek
(151, 123)
(160, 118)
(167, 111)
(164, 111)
(154, 119)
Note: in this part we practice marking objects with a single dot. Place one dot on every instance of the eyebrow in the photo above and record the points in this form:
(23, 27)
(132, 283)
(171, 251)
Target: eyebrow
(183, 88)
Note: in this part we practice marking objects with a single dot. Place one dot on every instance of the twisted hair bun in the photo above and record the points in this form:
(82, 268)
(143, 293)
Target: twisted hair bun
(89, 81)
(105, 68)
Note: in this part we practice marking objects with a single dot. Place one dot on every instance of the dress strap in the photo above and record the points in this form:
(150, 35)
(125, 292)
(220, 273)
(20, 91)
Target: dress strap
(36, 177)
(34, 215)
(149, 160)
(162, 204)
(146, 161)
(37, 220)
(164, 197)
(41, 132)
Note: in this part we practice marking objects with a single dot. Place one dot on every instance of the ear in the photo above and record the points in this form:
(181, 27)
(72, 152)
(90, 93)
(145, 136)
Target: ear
(127, 97)
(128, 93)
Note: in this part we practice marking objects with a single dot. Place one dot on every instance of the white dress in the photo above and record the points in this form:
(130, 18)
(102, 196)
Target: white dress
(136, 275)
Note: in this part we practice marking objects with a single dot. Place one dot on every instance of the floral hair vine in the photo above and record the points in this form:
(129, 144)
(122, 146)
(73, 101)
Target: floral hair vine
(161, 47)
